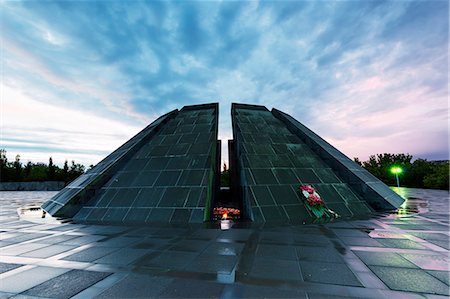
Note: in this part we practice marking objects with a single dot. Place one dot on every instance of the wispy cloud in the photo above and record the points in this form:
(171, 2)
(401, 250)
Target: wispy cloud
(369, 76)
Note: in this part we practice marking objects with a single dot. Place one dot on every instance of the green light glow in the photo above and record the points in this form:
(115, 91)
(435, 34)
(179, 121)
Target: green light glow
(396, 170)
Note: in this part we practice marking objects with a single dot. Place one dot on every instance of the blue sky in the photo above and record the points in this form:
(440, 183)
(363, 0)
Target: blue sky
(81, 78)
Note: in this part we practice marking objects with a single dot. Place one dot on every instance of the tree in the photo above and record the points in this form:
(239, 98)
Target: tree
(419, 174)
(51, 169)
(438, 177)
(3, 166)
(225, 176)
(27, 171)
(17, 169)
(65, 172)
(75, 170)
(419, 169)
(39, 172)
(14, 171)
(380, 165)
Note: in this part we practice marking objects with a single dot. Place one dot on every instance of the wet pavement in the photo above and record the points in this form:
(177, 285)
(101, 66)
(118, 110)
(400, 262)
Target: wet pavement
(399, 255)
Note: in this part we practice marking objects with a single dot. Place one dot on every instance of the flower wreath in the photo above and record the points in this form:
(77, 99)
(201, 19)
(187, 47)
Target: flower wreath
(315, 204)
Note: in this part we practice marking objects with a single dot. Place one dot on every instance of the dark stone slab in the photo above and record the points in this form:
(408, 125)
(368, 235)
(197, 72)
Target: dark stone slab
(306, 175)
(284, 194)
(124, 198)
(67, 284)
(160, 215)
(168, 178)
(191, 178)
(262, 195)
(263, 176)
(148, 197)
(146, 178)
(286, 176)
(174, 197)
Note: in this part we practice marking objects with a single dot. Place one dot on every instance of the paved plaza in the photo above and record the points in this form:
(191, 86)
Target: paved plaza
(401, 255)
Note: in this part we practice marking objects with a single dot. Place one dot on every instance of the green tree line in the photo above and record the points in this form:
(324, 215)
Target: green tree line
(18, 172)
(418, 174)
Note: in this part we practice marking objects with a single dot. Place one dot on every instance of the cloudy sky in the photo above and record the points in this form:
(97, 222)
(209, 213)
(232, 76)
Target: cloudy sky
(81, 78)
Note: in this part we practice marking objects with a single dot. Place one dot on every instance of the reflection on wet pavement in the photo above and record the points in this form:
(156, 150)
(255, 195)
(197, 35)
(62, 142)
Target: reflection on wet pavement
(400, 254)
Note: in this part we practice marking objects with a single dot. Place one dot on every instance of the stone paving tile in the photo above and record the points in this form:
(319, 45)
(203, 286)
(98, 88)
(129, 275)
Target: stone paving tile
(190, 245)
(401, 243)
(311, 239)
(174, 260)
(412, 280)
(187, 288)
(4, 243)
(323, 296)
(221, 248)
(333, 273)
(429, 262)
(258, 291)
(89, 254)
(5, 267)
(442, 243)
(67, 284)
(153, 243)
(48, 251)
(137, 286)
(431, 236)
(277, 238)
(275, 269)
(120, 242)
(123, 256)
(371, 258)
(276, 252)
(359, 241)
(321, 254)
(57, 239)
(213, 264)
(384, 259)
(22, 281)
(26, 237)
(443, 276)
(22, 248)
(82, 240)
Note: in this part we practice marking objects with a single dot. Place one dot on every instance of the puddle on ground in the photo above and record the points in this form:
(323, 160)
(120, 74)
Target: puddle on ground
(36, 214)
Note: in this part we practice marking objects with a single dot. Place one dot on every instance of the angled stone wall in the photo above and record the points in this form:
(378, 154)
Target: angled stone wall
(367, 186)
(272, 161)
(168, 177)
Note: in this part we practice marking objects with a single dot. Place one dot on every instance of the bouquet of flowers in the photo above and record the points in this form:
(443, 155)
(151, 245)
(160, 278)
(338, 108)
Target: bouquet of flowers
(315, 203)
